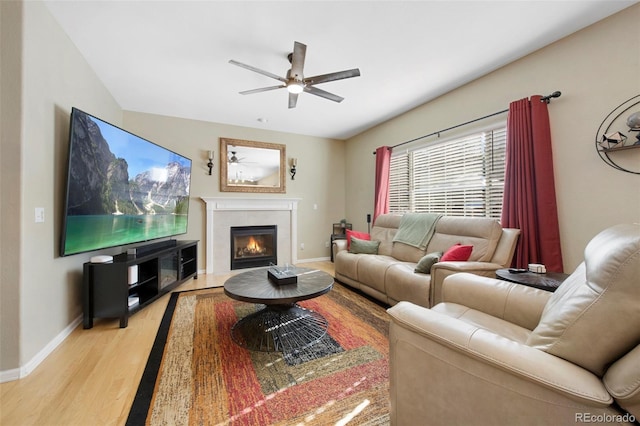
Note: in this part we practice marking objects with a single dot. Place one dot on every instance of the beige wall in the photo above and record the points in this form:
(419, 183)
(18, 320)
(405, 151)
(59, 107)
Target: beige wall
(10, 153)
(596, 69)
(44, 288)
(319, 181)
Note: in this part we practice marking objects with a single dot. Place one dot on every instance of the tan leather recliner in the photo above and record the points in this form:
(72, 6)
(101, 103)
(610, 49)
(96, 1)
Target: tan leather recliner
(499, 353)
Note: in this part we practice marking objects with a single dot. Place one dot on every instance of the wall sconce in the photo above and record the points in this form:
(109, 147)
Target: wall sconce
(294, 163)
(210, 163)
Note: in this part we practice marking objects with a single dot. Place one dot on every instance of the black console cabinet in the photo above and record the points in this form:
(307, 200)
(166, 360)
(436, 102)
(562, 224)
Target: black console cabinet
(160, 268)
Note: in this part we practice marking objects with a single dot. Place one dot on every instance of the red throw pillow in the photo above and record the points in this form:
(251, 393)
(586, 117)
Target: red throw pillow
(457, 253)
(361, 235)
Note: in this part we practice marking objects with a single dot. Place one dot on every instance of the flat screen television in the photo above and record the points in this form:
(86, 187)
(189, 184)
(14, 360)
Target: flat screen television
(121, 188)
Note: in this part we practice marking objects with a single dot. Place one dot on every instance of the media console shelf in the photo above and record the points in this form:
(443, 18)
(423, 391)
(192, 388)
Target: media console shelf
(120, 288)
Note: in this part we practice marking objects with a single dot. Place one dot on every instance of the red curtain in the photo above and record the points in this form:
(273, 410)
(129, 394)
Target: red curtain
(383, 164)
(529, 191)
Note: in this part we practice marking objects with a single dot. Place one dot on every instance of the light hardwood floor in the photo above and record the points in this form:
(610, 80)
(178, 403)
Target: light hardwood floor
(92, 377)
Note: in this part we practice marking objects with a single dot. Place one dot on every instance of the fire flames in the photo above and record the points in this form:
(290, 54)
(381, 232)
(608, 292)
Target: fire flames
(253, 245)
(252, 248)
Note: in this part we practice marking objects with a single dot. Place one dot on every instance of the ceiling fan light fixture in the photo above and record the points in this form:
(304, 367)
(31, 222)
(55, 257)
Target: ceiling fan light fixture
(295, 87)
(295, 82)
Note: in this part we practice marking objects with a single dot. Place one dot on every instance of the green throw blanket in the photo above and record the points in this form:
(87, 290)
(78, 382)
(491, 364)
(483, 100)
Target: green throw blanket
(416, 229)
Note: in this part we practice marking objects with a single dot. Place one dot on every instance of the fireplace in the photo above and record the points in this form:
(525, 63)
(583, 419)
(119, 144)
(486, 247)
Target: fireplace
(253, 246)
(224, 212)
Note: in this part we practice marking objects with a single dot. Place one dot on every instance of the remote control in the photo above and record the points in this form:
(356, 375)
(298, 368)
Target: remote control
(517, 270)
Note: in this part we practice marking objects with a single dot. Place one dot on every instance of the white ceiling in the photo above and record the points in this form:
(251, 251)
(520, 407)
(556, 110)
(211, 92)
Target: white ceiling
(171, 57)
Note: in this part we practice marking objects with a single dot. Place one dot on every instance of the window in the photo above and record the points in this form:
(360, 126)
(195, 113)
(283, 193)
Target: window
(457, 177)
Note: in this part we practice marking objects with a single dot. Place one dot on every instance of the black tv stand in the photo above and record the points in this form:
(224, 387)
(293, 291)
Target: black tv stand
(109, 290)
(149, 248)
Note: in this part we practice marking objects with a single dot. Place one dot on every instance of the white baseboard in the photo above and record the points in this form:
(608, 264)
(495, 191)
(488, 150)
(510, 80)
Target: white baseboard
(9, 375)
(29, 367)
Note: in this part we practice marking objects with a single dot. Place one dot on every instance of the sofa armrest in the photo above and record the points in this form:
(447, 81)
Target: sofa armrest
(622, 380)
(437, 334)
(338, 246)
(515, 303)
(441, 270)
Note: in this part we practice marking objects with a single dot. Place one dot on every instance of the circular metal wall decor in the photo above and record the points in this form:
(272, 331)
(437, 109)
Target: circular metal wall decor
(610, 139)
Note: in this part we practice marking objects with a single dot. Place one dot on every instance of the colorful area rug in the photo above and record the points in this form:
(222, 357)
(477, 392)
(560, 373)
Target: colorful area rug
(196, 374)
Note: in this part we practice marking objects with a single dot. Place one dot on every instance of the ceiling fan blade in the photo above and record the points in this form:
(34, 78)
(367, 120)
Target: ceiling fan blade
(293, 100)
(323, 94)
(258, 70)
(262, 89)
(332, 76)
(297, 60)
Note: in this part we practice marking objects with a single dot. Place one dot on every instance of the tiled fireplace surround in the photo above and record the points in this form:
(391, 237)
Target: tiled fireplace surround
(223, 213)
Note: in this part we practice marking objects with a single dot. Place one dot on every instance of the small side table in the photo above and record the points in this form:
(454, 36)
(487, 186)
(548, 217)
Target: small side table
(339, 232)
(548, 281)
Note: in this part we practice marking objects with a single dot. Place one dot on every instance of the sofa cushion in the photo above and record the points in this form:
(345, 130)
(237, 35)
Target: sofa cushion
(384, 229)
(593, 318)
(427, 261)
(457, 253)
(347, 264)
(483, 320)
(372, 270)
(405, 253)
(483, 234)
(364, 246)
(402, 283)
(357, 234)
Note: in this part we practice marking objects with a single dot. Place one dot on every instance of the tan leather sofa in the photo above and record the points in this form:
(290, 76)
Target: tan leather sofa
(389, 276)
(499, 353)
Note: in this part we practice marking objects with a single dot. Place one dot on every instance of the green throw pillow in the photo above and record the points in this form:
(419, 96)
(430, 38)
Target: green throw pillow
(363, 246)
(425, 264)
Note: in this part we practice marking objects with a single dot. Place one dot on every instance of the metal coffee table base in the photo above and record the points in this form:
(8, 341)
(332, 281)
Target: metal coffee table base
(280, 328)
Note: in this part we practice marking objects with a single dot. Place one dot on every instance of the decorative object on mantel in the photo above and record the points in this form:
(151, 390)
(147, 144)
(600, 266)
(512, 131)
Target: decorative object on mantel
(292, 172)
(210, 163)
(609, 141)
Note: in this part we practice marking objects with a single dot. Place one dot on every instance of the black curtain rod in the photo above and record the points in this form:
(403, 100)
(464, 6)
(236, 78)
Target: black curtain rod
(546, 99)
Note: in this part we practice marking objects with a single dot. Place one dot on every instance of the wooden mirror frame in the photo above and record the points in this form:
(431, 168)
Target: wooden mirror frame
(226, 186)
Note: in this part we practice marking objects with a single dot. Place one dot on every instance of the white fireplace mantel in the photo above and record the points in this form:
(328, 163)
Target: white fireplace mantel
(216, 205)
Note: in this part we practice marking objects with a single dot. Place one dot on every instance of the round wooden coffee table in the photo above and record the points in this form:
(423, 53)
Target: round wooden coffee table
(280, 325)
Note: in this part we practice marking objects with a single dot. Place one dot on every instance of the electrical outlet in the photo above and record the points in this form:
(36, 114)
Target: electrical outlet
(301, 246)
(326, 244)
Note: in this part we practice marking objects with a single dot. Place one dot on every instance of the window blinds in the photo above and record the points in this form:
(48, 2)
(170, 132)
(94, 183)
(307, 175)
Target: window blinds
(458, 177)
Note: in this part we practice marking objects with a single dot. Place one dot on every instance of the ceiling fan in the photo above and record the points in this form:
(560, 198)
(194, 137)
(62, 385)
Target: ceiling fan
(233, 159)
(295, 82)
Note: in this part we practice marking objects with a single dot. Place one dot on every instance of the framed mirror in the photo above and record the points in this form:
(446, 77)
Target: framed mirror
(250, 166)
